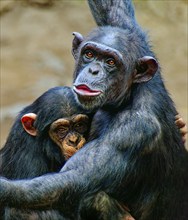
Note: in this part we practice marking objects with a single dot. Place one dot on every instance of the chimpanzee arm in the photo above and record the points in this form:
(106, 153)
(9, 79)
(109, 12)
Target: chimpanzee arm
(100, 165)
(85, 174)
(105, 12)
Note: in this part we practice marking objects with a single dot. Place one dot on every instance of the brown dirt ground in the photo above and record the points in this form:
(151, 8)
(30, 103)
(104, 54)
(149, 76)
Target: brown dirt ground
(36, 40)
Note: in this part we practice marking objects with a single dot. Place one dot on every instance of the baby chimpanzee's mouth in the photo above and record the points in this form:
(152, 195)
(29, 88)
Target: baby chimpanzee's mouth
(84, 90)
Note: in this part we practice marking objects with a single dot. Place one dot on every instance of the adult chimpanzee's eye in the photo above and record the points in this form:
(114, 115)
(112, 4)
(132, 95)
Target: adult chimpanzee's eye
(111, 62)
(89, 54)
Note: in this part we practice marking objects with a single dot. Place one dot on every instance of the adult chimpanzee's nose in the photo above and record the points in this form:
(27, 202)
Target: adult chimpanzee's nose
(94, 70)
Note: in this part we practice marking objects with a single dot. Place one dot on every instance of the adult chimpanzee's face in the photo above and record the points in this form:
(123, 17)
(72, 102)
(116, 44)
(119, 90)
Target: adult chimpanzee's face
(106, 69)
(99, 75)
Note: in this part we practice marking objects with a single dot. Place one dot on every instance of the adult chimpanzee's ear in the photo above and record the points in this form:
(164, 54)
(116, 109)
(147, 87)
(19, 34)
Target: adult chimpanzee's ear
(146, 68)
(78, 38)
(27, 123)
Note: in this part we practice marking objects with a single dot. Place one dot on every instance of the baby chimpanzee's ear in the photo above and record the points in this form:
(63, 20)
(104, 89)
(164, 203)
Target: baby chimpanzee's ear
(146, 68)
(27, 123)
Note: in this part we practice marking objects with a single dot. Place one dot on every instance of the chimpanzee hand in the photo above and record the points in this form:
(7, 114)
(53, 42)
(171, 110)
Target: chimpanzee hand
(182, 126)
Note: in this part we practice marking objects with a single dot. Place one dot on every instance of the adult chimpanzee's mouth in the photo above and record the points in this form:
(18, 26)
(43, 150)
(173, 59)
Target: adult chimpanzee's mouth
(84, 90)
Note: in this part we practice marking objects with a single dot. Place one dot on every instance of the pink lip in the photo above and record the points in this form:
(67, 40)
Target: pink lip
(86, 91)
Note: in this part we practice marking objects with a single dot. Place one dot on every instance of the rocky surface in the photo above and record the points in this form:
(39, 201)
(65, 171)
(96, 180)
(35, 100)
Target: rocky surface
(36, 40)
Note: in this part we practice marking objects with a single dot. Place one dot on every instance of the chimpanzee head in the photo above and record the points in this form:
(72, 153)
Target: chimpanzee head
(108, 62)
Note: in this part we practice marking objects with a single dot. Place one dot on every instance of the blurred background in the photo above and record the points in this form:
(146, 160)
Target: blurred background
(35, 53)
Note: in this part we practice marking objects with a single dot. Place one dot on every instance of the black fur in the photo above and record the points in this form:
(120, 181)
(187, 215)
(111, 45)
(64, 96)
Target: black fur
(138, 158)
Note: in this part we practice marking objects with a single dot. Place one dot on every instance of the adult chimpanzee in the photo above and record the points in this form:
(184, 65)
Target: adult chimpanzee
(134, 159)
(54, 132)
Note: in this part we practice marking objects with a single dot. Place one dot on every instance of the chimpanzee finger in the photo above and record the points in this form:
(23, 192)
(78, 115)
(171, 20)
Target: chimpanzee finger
(179, 122)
